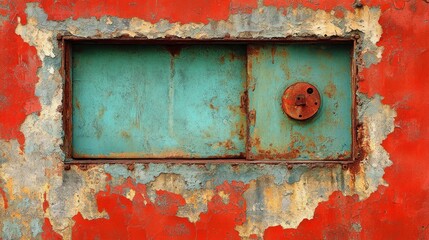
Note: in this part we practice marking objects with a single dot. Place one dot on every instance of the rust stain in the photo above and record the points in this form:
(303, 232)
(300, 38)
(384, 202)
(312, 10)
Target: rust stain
(228, 144)
(284, 53)
(77, 104)
(252, 117)
(330, 90)
(101, 112)
(125, 134)
(291, 151)
(232, 57)
(253, 51)
(222, 59)
(211, 105)
(84, 167)
(272, 154)
(256, 142)
(130, 167)
(242, 133)
(169, 154)
(343, 155)
(166, 154)
(234, 109)
(363, 150)
(174, 50)
(273, 53)
(244, 102)
(136, 123)
(250, 84)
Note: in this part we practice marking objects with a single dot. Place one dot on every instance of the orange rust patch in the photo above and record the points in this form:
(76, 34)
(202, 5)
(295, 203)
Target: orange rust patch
(174, 50)
(228, 144)
(244, 102)
(252, 117)
(222, 59)
(330, 90)
(273, 53)
(77, 104)
(125, 134)
(213, 107)
(363, 150)
(232, 57)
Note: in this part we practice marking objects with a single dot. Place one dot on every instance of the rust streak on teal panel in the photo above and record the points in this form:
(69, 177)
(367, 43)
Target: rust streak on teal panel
(143, 101)
(275, 67)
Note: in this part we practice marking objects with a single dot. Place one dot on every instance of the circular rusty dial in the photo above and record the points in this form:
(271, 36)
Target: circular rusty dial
(301, 101)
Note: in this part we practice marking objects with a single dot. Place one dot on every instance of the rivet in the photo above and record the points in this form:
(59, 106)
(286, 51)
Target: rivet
(130, 167)
(83, 167)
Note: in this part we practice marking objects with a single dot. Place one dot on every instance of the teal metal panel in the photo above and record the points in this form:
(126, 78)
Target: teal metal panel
(143, 101)
(273, 135)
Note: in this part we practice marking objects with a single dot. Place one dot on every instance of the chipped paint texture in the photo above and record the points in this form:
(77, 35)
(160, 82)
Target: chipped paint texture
(39, 199)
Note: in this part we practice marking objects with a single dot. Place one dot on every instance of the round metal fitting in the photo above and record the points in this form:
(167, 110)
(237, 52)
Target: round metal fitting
(301, 101)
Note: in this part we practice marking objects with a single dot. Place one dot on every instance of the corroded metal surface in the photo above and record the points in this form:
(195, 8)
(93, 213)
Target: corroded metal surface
(158, 101)
(301, 101)
(198, 108)
(326, 136)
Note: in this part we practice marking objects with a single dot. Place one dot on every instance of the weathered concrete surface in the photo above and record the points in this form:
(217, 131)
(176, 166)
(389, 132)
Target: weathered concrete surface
(38, 199)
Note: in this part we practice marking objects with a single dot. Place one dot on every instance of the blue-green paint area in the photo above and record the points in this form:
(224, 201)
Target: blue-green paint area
(144, 101)
(327, 135)
(36, 227)
(196, 176)
(11, 230)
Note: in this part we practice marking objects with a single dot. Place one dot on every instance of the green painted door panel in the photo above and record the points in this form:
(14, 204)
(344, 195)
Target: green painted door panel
(273, 135)
(186, 101)
(143, 101)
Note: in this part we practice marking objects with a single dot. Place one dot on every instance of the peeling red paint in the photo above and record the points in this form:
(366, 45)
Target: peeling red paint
(3, 195)
(45, 203)
(48, 233)
(243, 6)
(378, 217)
(220, 220)
(139, 218)
(330, 222)
(18, 71)
(326, 5)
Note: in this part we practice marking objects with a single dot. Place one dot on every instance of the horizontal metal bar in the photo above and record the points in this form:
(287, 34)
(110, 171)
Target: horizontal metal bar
(203, 161)
(175, 40)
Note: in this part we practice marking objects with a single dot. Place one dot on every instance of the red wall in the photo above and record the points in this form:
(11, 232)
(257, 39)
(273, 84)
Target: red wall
(397, 211)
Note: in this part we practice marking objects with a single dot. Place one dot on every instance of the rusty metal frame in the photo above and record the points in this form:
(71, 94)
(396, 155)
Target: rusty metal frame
(65, 42)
